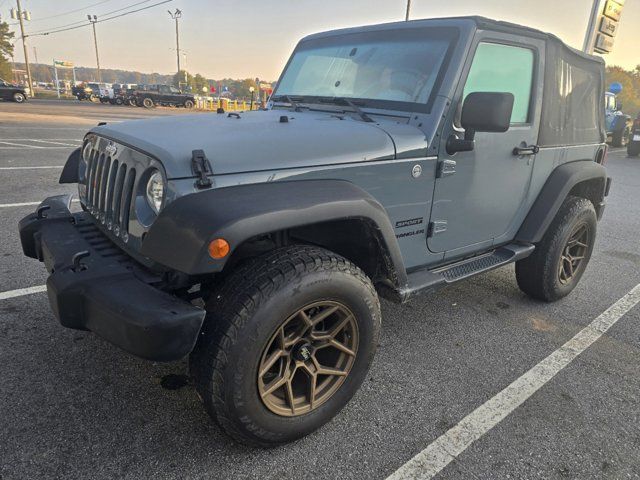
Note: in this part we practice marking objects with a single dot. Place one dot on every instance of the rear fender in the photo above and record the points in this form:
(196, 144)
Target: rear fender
(559, 185)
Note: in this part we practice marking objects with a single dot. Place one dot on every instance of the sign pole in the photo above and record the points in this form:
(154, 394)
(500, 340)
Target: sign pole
(55, 72)
(587, 46)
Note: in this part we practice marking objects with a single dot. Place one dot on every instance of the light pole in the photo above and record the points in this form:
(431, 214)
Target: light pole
(93, 21)
(21, 16)
(406, 17)
(252, 90)
(176, 16)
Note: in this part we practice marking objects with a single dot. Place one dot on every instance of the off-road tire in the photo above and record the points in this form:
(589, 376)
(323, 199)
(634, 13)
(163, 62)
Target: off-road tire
(19, 97)
(119, 101)
(621, 138)
(147, 102)
(538, 275)
(244, 313)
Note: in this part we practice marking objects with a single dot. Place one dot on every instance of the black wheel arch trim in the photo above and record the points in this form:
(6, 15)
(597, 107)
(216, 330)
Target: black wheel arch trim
(70, 171)
(180, 236)
(557, 187)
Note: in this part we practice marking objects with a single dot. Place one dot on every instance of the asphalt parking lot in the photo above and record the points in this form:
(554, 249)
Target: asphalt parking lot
(73, 406)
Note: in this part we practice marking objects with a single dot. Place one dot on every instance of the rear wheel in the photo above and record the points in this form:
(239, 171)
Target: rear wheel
(19, 97)
(119, 101)
(147, 102)
(633, 149)
(559, 261)
(621, 138)
(287, 341)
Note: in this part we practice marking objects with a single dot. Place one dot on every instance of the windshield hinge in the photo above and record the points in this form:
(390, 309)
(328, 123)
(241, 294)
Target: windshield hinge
(202, 168)
(446, 168)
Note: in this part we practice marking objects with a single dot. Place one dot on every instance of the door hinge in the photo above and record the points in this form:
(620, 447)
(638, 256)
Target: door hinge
(436, 227)
(446, 168)
(202, 168)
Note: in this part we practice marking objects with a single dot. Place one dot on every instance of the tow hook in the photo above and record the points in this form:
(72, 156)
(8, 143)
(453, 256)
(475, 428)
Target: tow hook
(75, 260)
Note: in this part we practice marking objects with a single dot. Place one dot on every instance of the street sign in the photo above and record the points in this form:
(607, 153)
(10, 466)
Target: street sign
(265, 86)
(603, 44)
(62, 64)
(603, 26)
(613, 10)
(608, 27)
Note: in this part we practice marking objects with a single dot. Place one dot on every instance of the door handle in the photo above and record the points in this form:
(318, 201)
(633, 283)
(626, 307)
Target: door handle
(526, 150)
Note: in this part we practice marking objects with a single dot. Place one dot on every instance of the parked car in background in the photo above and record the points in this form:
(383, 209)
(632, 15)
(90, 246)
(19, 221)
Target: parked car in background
(633, 149)
(12, 91)
(618, 123)
(82, 92)
(166, 95)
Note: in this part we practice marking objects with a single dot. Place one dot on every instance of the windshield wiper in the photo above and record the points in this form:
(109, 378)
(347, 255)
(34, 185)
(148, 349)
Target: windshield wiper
(351, 104)
(295, 106)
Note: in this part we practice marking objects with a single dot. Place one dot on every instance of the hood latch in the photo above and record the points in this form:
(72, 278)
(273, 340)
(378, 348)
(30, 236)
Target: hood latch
(202, 168)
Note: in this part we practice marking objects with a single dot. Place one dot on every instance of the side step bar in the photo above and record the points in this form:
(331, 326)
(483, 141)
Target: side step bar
(424, 281)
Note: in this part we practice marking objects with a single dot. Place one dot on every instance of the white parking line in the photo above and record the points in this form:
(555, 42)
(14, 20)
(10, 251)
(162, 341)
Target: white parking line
(55, 143)
(22, 145)
(25, 204)
(22, 291)
(446, 448)
(32, 168)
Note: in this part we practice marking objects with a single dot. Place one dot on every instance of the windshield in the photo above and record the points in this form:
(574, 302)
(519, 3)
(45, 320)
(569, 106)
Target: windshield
(384, 69)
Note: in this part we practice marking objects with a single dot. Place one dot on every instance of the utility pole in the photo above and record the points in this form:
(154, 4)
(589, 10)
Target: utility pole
(93, 21)
(406, 18)
(176, 16)
(592, 26)
(21, 16)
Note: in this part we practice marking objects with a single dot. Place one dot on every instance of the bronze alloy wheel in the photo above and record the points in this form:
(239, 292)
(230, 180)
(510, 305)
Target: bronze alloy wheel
(573, 254)
(308, 358)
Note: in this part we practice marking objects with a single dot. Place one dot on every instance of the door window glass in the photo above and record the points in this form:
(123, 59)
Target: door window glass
(503, 68)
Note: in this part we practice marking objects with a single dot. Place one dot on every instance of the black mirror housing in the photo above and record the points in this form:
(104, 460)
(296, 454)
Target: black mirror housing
(487, 112)
(482, 112)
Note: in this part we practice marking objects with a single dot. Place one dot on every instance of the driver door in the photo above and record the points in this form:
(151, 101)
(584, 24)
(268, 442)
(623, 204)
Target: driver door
(479, 195)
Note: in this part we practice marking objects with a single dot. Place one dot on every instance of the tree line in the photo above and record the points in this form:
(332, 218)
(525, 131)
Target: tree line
(630, 81)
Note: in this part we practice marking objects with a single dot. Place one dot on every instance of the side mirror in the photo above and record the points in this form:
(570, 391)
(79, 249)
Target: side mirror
(482, 112)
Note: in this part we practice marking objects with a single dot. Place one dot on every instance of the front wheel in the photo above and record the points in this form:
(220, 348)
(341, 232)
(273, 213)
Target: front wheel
(19, 97)
(287, 341)
(188, 104)
(147, 103)
(559, 261)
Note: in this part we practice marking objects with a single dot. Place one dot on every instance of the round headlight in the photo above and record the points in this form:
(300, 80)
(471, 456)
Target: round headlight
(155, 191)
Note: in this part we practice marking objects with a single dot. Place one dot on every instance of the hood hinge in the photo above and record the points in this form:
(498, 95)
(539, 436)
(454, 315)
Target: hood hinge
(202, 168)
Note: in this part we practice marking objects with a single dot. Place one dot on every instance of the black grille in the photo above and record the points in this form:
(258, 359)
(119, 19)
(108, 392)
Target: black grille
(110, 190)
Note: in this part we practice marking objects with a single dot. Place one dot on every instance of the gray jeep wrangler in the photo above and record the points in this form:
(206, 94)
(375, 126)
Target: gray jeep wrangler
(392, 160)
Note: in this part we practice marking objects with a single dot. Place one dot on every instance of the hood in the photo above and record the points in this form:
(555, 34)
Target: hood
(260, 140)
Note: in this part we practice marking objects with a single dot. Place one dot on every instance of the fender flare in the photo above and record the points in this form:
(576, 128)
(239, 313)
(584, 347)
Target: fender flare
(180, 236)
(70, 171)
(561, 181)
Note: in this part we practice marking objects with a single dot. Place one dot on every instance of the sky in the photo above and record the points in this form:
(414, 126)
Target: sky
(254, 38)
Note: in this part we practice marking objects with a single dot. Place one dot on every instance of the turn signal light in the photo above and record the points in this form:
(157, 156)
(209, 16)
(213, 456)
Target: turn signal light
(219, 248)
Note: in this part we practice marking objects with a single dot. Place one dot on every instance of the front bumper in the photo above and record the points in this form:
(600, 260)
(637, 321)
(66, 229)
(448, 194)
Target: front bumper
(93, 285)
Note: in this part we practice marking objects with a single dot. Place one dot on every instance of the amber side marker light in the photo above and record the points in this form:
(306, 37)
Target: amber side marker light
(219, 248)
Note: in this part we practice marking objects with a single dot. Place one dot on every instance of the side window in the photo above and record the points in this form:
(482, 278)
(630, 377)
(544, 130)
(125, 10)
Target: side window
(503, 68)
